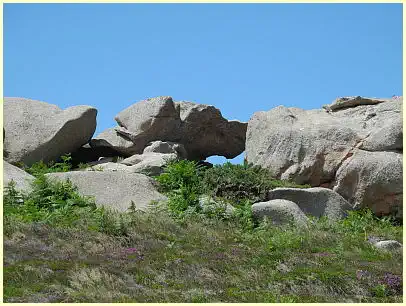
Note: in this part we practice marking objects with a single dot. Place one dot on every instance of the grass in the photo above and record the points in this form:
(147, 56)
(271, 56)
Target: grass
(60, 247)
(203, 260)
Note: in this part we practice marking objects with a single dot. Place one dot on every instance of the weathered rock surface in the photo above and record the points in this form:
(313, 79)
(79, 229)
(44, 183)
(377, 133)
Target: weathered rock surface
(280, 212)
(153, 119)
(204, 132)
(40, 131)
(311, 146)
(166, 147)
(374, 180)
(200, 128)
(299, 145)
(347, 102)
(111, 166)
(388, 245)
(149, 163)
(112, 139)
(317, 201)
(115, 190)
(22, 179)
(387, 137)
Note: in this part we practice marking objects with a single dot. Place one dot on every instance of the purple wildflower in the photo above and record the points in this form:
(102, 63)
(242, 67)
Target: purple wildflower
(394, 282)
(235, 251)
(131, 250)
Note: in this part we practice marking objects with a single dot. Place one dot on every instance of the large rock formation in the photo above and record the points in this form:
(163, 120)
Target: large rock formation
(115, 190)
(204, 132)
(37, 130)
(200, 128)
(336, 147)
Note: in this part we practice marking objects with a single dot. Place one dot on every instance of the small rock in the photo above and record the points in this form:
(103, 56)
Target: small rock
(316, 201)
(166, 147)
(280, 212)
(388, 245)
(149, 163)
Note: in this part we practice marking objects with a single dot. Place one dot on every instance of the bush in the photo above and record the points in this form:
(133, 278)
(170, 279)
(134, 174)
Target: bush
(59, 204)
(243, 216)
(39, 168)
(46, 200)
(179, 174)
(12, 196)
(181, 181)
(241, 182)
(240, 185)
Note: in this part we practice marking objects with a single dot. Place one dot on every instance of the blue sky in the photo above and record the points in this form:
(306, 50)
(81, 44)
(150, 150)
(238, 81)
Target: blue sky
(241, 58)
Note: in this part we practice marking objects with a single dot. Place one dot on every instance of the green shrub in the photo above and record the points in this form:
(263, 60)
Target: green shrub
(380, 291)
(243, 216)
(39, 168)
(59, 204)
(184, 181)
(241, 182)
(11, 195)
(54, 195)
(181, 181)
(179, 174)
(46, 200)
(12, 198)
(364, 221)
(182, 198)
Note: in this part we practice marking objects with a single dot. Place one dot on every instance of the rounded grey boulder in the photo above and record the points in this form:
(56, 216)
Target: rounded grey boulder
(280, 212)
(205, 132)
(112, 139)
(373, 180)
(149, 163)
(21, 178)
(153, 119)
(388, 245)
(115, 190)
(316, 201)
(37, 130)
(166, 147)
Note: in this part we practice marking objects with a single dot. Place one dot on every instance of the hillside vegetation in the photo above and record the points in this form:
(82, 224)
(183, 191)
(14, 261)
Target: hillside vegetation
(60, 247)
